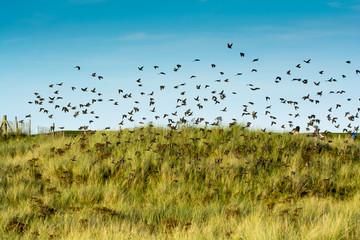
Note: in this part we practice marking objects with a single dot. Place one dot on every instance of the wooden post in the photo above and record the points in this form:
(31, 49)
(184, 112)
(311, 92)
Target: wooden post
(4, 124)
(16, 125)
(29, 127)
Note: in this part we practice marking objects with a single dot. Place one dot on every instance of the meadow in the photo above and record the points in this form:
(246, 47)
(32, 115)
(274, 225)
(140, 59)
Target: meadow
(190, 183)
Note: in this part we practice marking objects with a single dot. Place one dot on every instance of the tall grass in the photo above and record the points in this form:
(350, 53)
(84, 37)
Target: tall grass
(193, 183)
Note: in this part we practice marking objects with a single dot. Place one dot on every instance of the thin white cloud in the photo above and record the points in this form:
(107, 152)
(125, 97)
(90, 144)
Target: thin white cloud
(138, 36)
(81, 2)
(143, 36)
(307, 34)
(12, 40)
(355, 7)
(39, 18)
(302, 30)
(334, 4)
(344, 5)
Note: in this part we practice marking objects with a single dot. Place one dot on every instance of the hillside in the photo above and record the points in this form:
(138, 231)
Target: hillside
(193, 183)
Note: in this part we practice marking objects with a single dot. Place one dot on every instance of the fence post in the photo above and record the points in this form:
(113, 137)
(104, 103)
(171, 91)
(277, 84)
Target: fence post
(29, 127)
(4, 124)
(16, 125)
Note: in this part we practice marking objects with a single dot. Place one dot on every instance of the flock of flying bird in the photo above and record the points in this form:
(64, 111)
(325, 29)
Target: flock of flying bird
(48, 105)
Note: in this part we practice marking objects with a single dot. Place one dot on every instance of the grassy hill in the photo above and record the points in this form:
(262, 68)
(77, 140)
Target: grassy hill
(193, 183)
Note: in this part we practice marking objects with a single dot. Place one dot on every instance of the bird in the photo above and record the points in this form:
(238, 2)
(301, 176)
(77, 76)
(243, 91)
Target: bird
(254, 115)
(78, 67)
(229, 45)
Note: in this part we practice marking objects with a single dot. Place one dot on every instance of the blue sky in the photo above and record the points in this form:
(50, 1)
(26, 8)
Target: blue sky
(41, 42)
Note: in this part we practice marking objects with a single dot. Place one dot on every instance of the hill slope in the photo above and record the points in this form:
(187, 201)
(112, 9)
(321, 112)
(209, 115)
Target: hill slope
(193, 183)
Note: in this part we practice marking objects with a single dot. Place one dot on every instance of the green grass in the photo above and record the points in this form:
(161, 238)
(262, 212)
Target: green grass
(193, 183)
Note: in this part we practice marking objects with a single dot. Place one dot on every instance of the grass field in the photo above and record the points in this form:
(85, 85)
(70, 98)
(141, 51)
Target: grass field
(193, 183)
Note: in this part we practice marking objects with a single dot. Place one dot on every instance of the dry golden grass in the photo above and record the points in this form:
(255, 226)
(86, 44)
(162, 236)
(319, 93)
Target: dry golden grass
(194, 183)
